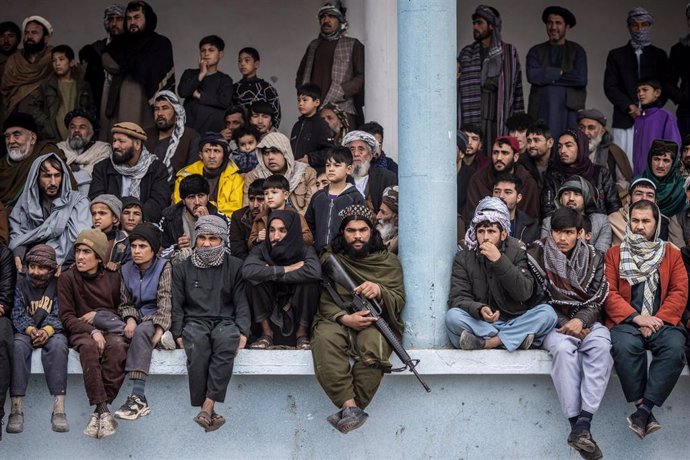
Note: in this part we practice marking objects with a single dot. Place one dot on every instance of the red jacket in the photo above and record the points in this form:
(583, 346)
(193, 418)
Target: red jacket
(673, 280)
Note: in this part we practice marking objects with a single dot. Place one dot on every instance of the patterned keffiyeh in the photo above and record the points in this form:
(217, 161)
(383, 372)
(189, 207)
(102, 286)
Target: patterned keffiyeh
(640, 261)
(136, 172)
(492, 209)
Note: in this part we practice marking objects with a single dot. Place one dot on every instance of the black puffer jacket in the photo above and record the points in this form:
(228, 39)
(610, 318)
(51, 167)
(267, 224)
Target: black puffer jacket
(608, 201)
(506, 285)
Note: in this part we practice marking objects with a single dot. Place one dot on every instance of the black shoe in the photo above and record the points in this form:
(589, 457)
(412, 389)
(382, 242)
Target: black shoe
(581, 441)
(652, 424)
(638, 424)
(351, 419)
(469, 341)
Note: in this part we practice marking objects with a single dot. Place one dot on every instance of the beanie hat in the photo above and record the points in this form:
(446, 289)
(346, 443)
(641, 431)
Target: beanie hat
(96, 240)
(84, 114)
(390, 198)
(111, 201)
(129, 129)
(214, 139)
(130, 201)
(42, 255)
(148, 232)
(510, 140)
(20, 120)
(212, 225)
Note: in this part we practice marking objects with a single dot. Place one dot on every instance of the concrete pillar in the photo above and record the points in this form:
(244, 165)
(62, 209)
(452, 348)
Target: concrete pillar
(381, 70)
(427, 144)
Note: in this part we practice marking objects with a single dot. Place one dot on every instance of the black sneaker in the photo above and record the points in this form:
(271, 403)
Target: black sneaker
(469, 341)
(351, 419)
(638, 424)
(133, 408)
(652, 424)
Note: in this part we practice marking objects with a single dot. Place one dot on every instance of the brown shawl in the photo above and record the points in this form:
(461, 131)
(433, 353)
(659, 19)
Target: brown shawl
(21, 78)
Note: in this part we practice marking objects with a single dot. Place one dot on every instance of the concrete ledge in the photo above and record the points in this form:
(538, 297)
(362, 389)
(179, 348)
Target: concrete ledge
(299, 362)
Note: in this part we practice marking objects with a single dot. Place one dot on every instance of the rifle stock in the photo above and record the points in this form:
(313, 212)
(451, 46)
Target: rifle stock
(337, 273)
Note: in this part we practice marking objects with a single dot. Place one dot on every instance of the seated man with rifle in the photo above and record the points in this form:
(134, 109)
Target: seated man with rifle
(341, 332)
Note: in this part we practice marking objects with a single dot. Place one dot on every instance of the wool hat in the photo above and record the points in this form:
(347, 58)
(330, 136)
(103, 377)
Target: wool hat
(686, 140)
(262, 107)
(592, 114)
(213, 138)
(212, 225)
(148, 232)
(20, 120)
(96, 240)
(356, 212)
(511, 140)
(111, 201)
(42, 255)
(41, 20)
(566, 14)
(84, 114)
(390, 198)
(129, 129)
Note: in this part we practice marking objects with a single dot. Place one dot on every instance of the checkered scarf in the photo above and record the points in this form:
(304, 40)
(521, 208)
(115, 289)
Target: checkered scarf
(492, 209)
(640, 261)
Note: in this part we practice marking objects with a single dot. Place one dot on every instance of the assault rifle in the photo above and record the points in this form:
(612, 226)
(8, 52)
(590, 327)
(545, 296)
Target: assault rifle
(337, 273)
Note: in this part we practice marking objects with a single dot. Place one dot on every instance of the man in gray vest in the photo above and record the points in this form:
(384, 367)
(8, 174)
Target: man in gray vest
(335, 63)
(557, 70)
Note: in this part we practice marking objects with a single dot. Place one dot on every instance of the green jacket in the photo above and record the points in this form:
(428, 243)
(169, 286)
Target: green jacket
(506, 285)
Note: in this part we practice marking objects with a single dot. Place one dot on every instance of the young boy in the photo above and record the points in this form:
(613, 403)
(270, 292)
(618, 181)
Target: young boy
(63, 92)
(145, 307)
(252, 88)
(311, 136)
(322, 214)
(321, 180)
(105, 216)
(132, 213)
(654, 123)
(36, 318)
(276, 192)
(207, 91)
(244, 156)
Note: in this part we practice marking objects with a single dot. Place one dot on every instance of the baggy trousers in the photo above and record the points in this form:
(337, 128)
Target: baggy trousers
(539, 321)
(103, 373)
(53, 356)
(6, 353)
(630, 359)
(140, 350)
(580, 369)
(333, 345)
(211, 347)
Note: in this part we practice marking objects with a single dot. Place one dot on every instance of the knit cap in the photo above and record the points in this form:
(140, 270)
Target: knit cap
(96, 240)
(148, 232)
(41, 255)
(111, 201)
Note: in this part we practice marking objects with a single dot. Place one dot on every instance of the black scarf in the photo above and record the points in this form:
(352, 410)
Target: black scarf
(288, 250)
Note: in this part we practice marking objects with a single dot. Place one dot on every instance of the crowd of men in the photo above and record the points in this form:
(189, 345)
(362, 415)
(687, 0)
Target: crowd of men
(195, 223)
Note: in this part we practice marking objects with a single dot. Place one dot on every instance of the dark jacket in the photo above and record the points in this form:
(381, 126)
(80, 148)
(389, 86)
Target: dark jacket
(322, 214)
(187, 150)
(531, 166)
(621, 77)
(172, 226)
(8, 280)
(311, 136)
(679, 87)
(608, 201)
(379, 179)
(216, 293)
(256, 270)
(679, 229)
(154, 191)
(506, 285)
(46, 102)
(240, 228)
(526, 229)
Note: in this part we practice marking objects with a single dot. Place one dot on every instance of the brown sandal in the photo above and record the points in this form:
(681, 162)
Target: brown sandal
(204, 420)
(217, 421)
(303, 343)
(263, 343)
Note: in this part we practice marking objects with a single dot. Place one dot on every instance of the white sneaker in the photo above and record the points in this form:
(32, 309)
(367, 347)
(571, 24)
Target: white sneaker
(91, 429)
(167, 341)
